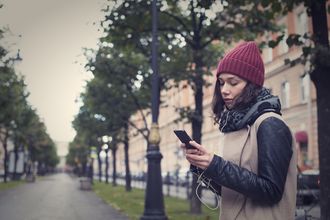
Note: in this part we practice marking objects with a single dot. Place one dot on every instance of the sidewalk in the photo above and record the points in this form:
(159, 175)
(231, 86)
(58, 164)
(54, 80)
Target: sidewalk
(55, 197)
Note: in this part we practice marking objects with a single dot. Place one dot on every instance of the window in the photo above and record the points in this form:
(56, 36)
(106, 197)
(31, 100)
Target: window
(285, 94)
(283, 47)
(302, 23)
(268, 51)
(304, 88)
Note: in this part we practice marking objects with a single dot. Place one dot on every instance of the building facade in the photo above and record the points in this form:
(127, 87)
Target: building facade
(10, 147)
(62, 150)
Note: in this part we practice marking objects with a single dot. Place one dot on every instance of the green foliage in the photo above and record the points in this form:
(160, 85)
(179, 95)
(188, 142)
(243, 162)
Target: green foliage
(22, 122)
(120, 87)
(78, 153)
(190, 34)
(320, 57)
(111, 97)
(89, 127)
(12, 96)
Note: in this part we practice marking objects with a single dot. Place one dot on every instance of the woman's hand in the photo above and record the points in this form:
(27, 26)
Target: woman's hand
(198, 157)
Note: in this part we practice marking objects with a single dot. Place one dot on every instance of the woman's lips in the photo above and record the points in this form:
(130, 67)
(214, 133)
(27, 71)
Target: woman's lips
(228, 101)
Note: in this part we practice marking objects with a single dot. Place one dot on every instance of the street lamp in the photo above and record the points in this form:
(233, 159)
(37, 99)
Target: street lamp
(99, 150)
(91, 168)
(105, 147)
(154, 201)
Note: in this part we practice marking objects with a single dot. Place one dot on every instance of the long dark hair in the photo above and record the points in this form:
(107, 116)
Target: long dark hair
(248, 95)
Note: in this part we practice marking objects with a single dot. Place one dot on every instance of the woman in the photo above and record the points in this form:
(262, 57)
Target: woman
(256, 175)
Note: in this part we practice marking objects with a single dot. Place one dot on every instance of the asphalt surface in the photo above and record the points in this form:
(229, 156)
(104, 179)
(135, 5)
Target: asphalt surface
(55, 197)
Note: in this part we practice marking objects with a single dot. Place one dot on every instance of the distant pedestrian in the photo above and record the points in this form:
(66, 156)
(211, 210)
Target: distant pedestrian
(256, 175)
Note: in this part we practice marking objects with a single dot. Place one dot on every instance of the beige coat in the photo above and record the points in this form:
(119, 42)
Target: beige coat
(240, 147)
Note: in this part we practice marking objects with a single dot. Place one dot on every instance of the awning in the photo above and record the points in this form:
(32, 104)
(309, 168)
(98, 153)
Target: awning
(301, 136)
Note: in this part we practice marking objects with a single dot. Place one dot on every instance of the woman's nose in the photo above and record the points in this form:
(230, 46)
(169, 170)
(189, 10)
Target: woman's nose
(225, 89)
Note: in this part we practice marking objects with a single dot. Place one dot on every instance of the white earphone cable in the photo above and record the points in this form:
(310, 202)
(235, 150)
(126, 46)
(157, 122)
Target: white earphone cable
(200, 180)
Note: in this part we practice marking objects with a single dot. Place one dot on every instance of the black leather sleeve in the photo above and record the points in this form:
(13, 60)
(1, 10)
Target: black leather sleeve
(216, 188)
(274, 154)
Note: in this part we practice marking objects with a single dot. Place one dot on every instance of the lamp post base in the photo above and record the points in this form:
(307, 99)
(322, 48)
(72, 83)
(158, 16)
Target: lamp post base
(154, 201)
(154, 217)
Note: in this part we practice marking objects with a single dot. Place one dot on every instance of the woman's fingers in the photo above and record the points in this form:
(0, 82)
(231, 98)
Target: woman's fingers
(198, 146)
(195, 144)
(198, 156)
(200, 160)
(192, 151)
(182, 145)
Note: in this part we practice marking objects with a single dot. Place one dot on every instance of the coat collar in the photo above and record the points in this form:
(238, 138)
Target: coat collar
(233, 120)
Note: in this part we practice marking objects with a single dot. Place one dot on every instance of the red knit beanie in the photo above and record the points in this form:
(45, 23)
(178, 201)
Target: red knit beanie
(244, 61)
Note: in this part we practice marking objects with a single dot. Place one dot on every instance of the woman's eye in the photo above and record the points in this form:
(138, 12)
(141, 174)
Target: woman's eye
(234, 83)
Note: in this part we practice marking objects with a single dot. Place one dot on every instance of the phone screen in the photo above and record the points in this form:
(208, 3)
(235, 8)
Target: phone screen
(184, 138)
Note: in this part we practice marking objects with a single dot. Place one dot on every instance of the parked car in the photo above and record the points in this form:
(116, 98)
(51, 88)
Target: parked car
(308, 187)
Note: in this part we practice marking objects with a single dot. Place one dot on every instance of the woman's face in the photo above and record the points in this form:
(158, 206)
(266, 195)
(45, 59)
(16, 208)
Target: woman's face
(231, 86)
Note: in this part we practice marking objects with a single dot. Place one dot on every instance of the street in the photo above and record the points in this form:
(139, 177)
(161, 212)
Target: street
(54, 197)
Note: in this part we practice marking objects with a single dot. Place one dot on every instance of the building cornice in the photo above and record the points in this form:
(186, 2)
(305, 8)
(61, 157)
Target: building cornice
(282, 68)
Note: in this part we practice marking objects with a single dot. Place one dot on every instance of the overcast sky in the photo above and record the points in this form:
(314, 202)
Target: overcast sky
(53, 33)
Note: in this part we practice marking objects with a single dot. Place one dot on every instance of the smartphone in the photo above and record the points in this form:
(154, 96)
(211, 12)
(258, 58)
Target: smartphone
(184, 138)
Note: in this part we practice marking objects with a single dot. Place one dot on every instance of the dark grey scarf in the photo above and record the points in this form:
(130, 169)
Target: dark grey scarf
(233, 120)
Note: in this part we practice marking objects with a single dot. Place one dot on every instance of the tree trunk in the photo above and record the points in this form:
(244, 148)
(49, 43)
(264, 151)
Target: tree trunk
(321, 78)
(197, 121)
(15, 175)
(99, 164)
(106, 167)
(91, 171)
(84, 169)
(323, 111)
(127, 169)
(114, 173)
(5, 159)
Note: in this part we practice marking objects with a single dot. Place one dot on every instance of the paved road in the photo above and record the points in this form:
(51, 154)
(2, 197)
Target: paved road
(55, 197)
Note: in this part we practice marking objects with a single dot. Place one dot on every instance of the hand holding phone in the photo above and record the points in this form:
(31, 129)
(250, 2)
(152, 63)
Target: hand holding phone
(184, 138)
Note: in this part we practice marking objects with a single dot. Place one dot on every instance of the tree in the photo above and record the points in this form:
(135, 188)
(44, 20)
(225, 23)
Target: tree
(18, 121)
(321, 78)
(89, 128)
(116, 96)
(12, 101)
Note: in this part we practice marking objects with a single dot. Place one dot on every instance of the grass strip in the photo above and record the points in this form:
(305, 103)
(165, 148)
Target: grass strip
(9, 184)
(132, 203)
